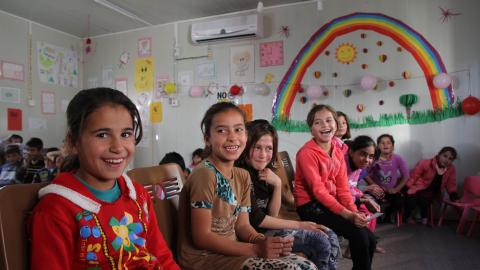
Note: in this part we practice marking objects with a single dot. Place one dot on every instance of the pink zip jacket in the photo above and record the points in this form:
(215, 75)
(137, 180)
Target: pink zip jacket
(322, 178)
(423, 174)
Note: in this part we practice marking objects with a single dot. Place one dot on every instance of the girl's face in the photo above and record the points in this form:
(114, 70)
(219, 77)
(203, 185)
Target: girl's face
(227, 136)
(261, 153)
(105, 145)
(196, 160)
(362, 158)
(323, 127)
(342, 127)
(445, 159)
(385, 146)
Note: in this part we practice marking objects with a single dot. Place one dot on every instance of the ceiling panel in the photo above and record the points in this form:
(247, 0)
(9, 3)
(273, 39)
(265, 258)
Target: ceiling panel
(83, 18)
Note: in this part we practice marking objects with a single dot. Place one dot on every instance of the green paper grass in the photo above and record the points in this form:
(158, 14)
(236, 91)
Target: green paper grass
(384, 120)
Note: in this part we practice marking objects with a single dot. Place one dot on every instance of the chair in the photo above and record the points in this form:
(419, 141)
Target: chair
(16, 205)
(476, 210)
(471, 197)
(284, 170)
(164, 182)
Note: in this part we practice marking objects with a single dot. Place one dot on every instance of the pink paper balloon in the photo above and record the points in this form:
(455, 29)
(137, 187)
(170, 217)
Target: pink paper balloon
(442, 80)
(368, 82)
(314, 91)
(196, 91)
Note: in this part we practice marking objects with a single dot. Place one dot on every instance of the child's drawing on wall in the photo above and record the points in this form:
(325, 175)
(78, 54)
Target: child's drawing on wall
(242, 64)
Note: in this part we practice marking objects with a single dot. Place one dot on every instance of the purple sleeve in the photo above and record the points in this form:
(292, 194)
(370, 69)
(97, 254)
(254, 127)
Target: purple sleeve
(402, 166)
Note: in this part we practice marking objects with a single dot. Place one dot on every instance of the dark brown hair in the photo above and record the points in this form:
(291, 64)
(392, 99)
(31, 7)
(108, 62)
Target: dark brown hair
(85, 103)
(257, 129)
(207, 119)
(317, 108)
(347, 134)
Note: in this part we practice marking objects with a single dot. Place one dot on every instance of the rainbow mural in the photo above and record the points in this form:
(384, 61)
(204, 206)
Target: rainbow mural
(423, 52)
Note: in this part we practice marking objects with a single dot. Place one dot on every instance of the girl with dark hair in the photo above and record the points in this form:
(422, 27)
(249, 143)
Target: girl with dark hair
(322, 193)
(428, 179)
(215, 232)
(318, 243)
(94, 216)
(390, 172)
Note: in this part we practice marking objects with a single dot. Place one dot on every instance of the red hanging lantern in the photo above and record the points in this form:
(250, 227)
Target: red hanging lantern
(471, 105)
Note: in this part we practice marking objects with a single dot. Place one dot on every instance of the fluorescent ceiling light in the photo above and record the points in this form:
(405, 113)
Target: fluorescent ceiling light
(122, 11)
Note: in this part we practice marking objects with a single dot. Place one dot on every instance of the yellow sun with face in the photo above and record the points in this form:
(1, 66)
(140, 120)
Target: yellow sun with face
(346, 53)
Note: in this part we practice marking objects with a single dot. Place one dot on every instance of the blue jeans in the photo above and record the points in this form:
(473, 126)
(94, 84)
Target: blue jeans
(321, 249)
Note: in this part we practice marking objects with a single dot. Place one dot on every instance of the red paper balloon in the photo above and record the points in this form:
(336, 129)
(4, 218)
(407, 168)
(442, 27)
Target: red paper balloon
(235, 90)
(471, 105)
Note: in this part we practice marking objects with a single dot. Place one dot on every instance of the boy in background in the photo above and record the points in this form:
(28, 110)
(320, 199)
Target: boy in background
(33, 163)
(13, 157)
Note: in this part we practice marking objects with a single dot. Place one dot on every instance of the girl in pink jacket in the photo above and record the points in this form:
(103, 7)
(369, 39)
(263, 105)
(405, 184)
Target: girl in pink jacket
(428, 179)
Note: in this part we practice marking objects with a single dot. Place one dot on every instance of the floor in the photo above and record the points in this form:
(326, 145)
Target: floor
(420, 247)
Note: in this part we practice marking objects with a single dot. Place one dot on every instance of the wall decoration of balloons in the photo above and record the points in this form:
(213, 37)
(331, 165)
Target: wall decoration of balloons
(196, 91)
(442, 80)
(236, 90)
(368, 82)
(314, 91)
(261, 89)
(471, 105)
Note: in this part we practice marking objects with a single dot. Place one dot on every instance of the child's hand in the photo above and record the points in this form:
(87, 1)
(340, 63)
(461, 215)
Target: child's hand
(371, 204)
(376, 191)
(312, 226)
(360, 219)
(270, 177)
(270, 247)
(287, 245)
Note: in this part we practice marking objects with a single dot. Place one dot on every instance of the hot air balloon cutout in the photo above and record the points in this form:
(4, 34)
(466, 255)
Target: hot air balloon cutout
(408, 101)
(346, 53)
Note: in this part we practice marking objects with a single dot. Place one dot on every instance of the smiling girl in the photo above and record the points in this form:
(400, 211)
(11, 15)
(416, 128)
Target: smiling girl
(94, 216)
(215, 232)
(322, 193)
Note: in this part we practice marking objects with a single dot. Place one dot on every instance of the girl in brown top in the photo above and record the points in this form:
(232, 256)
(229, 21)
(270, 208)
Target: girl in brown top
(215, 231)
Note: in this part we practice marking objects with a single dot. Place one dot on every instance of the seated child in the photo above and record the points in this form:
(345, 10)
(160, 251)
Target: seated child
(390, 172)
(94, 216)
(428, 179)
(33, 163)
(197, 157)
(215, 232)
(315, 241)
(14, 161)
(174, 157)
(322, 192)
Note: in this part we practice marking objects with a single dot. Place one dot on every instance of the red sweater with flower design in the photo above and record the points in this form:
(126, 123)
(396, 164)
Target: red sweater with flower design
(71, 229)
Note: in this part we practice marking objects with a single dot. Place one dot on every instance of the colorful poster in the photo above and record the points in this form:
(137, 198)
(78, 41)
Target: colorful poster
(144, 47)
(14, 119)
(13, 71)
(156, 112)
(48, 102)
(121, 84)
(248, 110)
(9, 94)
(144, 74)
(160, 82)
(57, 65)
(271, 53)
(242, 64)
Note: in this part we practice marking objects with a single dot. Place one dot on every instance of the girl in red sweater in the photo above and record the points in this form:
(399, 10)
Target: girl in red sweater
(94, 216)
(321, 190)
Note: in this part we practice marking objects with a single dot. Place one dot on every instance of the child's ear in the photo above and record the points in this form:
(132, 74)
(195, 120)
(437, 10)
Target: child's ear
(70, 146)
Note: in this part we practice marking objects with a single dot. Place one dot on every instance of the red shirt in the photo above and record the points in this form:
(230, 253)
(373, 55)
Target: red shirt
(121, 234)
(322, 177)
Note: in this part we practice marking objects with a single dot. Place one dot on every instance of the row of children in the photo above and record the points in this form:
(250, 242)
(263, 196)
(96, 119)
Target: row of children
(29, 163)
(384, 176)
(93, 215)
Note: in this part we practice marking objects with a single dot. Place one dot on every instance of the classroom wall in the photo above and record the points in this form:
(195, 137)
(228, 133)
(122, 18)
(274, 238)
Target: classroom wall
(455, 40)
(14, 47)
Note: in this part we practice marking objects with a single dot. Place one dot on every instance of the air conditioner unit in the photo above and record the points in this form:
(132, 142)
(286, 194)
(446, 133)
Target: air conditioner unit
(227, 28)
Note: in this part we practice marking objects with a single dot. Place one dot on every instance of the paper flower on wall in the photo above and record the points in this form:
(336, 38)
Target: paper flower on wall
(346, 53)
(285, 31)
(447, 14)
